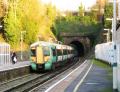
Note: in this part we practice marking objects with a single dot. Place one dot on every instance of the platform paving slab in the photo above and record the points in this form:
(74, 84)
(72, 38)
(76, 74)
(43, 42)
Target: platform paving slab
(99, 79)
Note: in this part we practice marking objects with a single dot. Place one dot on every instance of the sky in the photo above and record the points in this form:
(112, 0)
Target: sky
(71, 5)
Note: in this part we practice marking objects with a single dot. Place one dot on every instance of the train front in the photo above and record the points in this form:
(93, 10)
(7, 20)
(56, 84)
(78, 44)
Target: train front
(36, 61)
(42, 57)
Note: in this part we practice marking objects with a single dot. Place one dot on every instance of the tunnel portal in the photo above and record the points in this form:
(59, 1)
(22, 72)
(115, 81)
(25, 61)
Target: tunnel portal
(79, 48)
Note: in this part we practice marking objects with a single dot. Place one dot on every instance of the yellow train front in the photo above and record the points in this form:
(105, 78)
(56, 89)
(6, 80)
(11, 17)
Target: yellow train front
(46, 56)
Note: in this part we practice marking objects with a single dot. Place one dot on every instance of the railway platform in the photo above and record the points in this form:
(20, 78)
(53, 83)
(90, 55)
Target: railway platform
(14, 66)
(10, 71)
(89, 77)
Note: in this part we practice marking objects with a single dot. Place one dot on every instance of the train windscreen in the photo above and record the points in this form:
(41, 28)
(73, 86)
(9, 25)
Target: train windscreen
(33, 52)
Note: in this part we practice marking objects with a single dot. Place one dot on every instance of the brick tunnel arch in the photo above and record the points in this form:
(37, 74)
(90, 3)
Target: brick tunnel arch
(79, 47)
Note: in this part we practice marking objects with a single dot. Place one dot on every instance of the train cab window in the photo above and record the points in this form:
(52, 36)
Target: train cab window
(46, 51)
(33, 52)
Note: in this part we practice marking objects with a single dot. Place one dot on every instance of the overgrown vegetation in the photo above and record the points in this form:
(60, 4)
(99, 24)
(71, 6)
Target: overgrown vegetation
(30, 16)
(104, 65)
(101, 63)
(72, 24)
(84, 25)
(108, 15)
(37, 20)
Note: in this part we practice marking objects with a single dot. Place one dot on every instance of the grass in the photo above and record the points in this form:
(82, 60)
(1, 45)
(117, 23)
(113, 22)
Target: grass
(108, 89)
(104, 65)
(101, 64)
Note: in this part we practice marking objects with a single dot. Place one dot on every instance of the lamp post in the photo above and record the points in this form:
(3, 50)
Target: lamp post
(0, 26)
(21, 41)
(114, 64)
(115, 48)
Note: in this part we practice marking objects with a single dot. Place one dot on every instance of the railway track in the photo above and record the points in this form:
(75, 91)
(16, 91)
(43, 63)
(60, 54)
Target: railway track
(29, 82)
(47, 84)
(52, 81)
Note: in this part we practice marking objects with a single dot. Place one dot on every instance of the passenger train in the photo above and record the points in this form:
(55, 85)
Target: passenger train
(46, 55)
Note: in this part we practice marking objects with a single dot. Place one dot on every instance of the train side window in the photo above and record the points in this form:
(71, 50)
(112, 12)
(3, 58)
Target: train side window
(63, 51)
(59, 52)
(33, 52)
(66, 52)
(54, 52)
(46, 51)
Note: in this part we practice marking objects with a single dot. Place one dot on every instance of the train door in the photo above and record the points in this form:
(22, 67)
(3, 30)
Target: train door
(46, 53)
(54, 54)
(39, 55)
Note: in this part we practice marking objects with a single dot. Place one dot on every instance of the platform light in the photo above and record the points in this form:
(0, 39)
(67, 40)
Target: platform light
(21, 40)
(109, 19)
(0, 26)
(106, 29)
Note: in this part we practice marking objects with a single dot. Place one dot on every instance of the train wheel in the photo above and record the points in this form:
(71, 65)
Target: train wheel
(31, 70)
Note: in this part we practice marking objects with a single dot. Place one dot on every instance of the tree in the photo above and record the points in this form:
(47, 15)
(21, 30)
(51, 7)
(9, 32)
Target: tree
(81, 10)
(108, 14)
(11, 24)
(3, 7)
(30, 16)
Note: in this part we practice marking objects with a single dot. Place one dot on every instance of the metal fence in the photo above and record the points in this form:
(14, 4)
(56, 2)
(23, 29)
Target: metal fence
(4, 54)
(104, 52)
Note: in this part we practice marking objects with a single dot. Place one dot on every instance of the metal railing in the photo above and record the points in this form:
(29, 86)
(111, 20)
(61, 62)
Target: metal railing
(5, 54)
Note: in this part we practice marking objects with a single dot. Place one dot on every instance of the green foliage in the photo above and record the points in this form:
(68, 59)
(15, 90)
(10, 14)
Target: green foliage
(30, 19)
(100, 63)
(81, 10)
(30, 16)
(1, 8)
(11, 25)
(84, 25)
(108, 14)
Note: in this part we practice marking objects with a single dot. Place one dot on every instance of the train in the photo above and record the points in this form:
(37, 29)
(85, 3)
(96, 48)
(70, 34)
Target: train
(47, 56)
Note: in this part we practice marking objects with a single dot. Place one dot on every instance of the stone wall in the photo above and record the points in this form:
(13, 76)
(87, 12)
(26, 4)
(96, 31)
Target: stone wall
(13, 73)
(84, 40)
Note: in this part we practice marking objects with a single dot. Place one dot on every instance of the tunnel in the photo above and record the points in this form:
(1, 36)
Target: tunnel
(79, 48)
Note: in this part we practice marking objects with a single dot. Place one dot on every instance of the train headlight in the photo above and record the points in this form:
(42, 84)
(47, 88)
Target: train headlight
(33, 59)
(47, 58)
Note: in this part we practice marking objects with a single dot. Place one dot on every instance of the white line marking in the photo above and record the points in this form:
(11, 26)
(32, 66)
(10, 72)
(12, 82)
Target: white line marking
(92, 83)
(80, 82)
(47, 81)
(64, 77)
